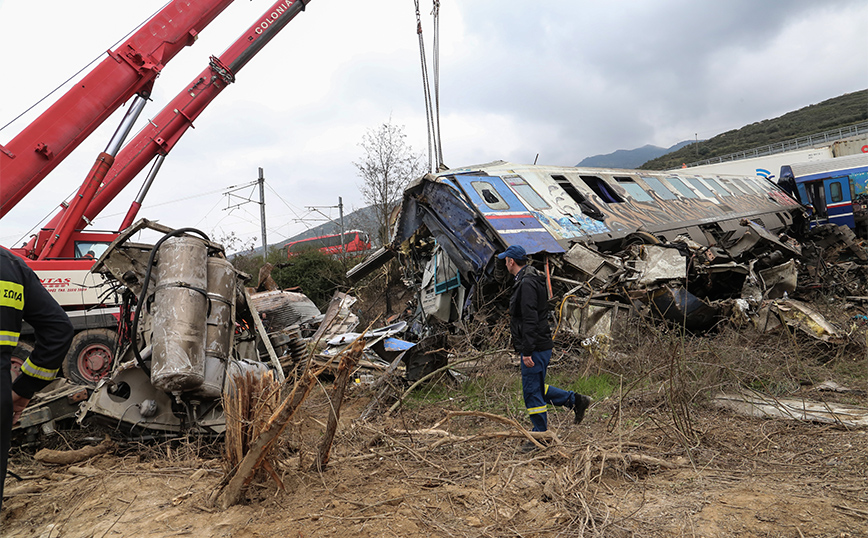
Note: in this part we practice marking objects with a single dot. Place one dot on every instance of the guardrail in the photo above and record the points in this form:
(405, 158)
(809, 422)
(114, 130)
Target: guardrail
(819, 139)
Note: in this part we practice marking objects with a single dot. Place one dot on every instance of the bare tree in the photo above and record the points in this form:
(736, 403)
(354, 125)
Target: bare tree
(386, 167)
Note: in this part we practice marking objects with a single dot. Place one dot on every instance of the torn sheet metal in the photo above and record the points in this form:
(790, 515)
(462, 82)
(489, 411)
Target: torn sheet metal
(597, 267)
(803, 317)
(757, 235)
(370, 336)
(593, 317)
(440, 208)
(338, 318)
(660, 264)
(389, 348)
(280, 309)
(756, 404)
(59, 400)
(373, 262)
(780, 280)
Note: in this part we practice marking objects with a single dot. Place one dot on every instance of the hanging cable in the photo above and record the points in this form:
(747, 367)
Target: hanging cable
(435, 12)
(426, 89)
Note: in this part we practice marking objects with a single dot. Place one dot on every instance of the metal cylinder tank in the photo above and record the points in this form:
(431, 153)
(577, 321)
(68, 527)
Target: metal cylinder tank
(221, 294)
(220, 325)
(179, 310)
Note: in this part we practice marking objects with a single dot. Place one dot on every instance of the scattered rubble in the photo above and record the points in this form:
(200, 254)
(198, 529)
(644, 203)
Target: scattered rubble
(694, 272)
(756, 404)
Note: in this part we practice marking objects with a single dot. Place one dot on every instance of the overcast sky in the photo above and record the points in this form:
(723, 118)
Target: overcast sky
(562, 79)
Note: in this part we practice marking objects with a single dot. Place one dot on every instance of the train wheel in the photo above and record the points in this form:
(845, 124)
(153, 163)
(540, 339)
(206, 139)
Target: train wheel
(639, 238)
(19, 355)
(90, 356)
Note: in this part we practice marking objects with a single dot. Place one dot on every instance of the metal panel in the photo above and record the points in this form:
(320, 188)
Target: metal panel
(507, 215)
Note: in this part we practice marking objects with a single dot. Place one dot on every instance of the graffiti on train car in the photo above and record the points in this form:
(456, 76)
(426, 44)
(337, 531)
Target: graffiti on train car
(654, 202)
(688, 249)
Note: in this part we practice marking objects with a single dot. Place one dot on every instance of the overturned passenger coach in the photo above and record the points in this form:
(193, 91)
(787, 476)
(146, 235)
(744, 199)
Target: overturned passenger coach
(453, 223)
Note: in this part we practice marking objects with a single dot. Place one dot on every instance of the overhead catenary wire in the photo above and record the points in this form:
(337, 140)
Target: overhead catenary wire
(80, 71)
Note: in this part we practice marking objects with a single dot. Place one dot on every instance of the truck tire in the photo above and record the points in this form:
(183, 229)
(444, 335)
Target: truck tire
(20, 354)
(90, 356)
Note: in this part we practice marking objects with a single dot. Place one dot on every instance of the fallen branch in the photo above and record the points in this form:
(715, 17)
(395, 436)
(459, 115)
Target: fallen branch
(67, 457)
(382, 387)
(29, 489)
(437, 371)
(446, 437)
(532, 436)
(347, 365)
(637, 458)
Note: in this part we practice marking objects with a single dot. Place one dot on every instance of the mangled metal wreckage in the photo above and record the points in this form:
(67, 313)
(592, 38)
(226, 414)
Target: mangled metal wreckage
(688, 248)
(192, 326)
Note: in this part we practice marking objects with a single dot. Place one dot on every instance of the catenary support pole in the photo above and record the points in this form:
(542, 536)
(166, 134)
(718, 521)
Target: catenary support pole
(262, 212)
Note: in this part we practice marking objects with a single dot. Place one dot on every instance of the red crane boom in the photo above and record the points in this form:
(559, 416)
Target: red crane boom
(162, 132)
(128, 70)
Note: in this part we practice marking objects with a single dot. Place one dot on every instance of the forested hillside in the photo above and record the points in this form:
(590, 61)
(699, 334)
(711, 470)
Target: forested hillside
(842, 111)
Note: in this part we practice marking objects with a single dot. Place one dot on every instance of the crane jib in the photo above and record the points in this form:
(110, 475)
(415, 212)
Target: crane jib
(262, 32)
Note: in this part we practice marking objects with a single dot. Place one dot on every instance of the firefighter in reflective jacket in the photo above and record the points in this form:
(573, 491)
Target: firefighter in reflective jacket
(23, 298)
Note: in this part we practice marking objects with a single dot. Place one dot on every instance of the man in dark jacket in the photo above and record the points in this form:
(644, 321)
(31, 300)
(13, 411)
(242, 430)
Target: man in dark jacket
(532, 339)
(23, 298)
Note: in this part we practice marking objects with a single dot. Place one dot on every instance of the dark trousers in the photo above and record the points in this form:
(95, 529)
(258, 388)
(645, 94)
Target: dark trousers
(5, 417)
(537, 395)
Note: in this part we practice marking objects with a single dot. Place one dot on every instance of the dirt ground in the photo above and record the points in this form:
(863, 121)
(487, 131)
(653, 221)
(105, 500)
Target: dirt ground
(624, 474)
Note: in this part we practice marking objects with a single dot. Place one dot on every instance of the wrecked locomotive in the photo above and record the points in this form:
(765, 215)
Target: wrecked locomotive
(188, 325)
(572, 221)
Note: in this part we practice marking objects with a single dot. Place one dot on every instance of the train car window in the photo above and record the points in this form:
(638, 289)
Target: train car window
(717, 187)
(761, 185)
(527, 193)
(835, 191)
(733, 186)
(682, 188)
(586, 206)
(658, 187)
(750, 186)
(633, 189)
(602, 189)
(700, 187)
(489, 195)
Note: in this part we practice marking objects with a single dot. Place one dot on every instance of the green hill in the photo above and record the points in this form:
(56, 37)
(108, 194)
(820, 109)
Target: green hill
(848, 109)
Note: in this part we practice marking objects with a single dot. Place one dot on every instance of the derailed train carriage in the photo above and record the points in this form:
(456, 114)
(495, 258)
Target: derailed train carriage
(572, 220)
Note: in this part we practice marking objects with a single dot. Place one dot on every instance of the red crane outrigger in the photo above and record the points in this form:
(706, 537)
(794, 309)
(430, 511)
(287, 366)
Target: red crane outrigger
(58, 252)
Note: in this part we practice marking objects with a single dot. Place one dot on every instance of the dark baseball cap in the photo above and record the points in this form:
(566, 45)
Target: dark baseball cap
(516, 252)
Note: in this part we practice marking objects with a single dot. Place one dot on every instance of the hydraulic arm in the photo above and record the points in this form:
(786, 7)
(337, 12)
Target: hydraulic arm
(161, 133)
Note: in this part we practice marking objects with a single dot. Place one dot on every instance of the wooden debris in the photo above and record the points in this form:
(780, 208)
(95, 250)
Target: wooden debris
(263, 444)
(83, 471)
(384, 386)
(347, 366)
(250, 401)
(29, 489)
(68, 457)
(754, 403)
